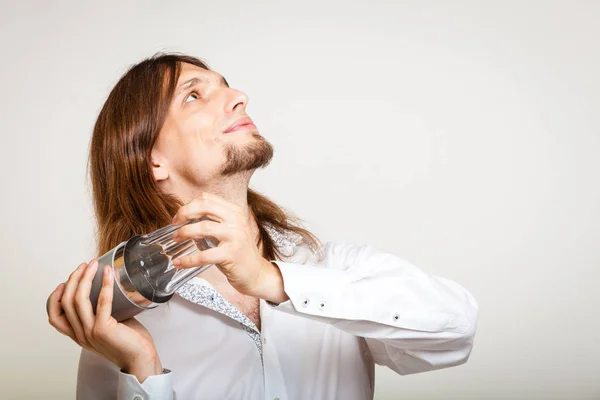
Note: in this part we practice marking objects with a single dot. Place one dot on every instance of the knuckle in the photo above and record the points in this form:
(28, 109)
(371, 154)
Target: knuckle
(66, 299)
(77, 302)
(107, 281)
(103, 299)
(79, 299)
(183, 231)
(206, 225)
(189, 261)
(192, 260)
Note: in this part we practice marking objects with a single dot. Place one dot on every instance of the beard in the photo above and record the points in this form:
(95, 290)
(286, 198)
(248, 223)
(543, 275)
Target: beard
(251, 156)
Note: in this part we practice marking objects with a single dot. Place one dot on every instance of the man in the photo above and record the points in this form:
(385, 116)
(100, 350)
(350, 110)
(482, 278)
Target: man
(282, 316)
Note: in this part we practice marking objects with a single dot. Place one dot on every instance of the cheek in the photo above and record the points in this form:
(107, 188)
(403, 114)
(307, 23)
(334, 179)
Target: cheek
(197, 142)
(201, 123)
(199, 150)
(195, 134)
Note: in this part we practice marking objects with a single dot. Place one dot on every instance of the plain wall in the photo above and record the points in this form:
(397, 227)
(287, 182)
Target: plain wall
(462, 136)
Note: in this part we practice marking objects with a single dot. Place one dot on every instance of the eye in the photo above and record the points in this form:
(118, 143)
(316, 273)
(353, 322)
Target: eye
(193, 95)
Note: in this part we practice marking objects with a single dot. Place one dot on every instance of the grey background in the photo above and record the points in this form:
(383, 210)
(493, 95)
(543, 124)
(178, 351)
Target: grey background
(460, 135)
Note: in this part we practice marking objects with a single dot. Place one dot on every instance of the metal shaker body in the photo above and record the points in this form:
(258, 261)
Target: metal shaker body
(143, 270)
(127, 300)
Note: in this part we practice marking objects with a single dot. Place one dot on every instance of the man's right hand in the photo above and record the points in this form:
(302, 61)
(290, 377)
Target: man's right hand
(128, 344)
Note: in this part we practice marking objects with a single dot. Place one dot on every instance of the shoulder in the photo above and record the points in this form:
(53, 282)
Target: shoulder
(336, 253)
(345, 255)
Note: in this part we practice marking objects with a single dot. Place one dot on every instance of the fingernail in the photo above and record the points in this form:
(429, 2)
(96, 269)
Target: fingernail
(94, 263)
(58, 287)
(177, 262)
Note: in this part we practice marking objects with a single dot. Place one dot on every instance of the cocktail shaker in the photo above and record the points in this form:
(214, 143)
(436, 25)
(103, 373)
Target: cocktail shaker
(144, 272)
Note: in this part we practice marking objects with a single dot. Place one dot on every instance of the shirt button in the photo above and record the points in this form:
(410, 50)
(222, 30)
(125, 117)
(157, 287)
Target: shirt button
(137, 398)
(396, 317)
(305, 302)
(322, 305)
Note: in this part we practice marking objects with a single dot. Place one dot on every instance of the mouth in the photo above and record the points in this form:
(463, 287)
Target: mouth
(244, 123)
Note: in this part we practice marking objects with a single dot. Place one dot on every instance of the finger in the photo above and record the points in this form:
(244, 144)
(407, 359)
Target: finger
(206, 207)
(68, 303)
(105, 298)
(202, 229)
(56, 316)
(216, 255)
(83, 305)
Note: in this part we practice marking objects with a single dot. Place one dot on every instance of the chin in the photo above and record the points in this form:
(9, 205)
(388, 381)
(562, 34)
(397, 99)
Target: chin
(247, 157)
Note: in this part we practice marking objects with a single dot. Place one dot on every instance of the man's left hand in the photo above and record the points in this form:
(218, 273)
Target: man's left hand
(237, 255)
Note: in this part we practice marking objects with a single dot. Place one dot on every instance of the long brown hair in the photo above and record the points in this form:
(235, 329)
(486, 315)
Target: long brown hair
(127, 200)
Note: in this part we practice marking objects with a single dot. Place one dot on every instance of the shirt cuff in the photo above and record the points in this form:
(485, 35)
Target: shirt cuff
(155, 387)
(313, 290)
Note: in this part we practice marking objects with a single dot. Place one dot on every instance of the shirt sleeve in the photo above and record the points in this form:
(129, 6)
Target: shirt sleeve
(156, 387)
(99, 379)
(412, 321)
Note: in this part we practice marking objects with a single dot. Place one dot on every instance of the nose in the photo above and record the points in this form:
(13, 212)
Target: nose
(236, 101)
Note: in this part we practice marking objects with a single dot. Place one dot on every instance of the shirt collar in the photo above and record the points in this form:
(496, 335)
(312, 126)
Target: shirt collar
(285, 241)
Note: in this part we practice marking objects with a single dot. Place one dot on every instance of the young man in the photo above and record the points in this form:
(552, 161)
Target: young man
(282, 316)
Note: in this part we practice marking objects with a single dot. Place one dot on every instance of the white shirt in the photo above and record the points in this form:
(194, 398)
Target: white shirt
(356, 307)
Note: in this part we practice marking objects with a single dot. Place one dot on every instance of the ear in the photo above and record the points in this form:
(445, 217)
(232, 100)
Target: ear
(159, 169)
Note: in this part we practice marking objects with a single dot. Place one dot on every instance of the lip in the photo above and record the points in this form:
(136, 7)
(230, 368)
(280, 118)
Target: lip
(242, 123)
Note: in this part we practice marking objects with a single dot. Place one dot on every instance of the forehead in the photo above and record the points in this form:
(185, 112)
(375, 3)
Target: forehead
(189, 71)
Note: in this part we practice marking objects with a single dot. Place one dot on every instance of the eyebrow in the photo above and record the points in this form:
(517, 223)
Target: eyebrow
(197, 80)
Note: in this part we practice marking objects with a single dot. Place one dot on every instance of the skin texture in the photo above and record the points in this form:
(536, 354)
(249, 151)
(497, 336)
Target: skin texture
(196, 159)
